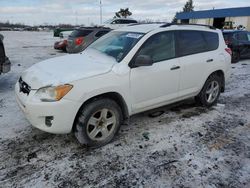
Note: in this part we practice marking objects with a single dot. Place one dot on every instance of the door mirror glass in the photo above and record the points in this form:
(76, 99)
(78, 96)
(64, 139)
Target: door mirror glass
(143, 60)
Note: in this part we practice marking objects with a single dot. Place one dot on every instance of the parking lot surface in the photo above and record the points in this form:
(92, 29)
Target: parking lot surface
(186, 146)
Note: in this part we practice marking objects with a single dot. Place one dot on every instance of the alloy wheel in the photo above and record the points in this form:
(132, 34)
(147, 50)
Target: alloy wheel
(101, 124)
(212, 91)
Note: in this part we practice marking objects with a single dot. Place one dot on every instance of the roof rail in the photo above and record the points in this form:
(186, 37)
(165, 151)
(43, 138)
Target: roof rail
(170, 24)
(93, 27)
(133, 24)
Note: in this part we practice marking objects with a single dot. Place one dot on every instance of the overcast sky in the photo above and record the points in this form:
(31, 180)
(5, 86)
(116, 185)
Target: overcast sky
(36, 12)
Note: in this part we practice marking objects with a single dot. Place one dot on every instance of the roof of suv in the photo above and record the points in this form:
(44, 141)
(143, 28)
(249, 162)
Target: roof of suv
(145, 28)
(140, 28)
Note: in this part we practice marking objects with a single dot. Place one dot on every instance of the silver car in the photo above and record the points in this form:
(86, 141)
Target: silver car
(80, 38)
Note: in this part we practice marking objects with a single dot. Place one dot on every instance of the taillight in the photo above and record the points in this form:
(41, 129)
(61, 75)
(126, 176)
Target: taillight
(78, 40)
(228, 50)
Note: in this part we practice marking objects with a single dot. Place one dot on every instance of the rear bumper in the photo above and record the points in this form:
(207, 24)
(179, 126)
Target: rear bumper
(5, 66)
(60, 45)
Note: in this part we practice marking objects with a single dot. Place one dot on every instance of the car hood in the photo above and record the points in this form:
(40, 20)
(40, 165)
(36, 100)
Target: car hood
(68, 68)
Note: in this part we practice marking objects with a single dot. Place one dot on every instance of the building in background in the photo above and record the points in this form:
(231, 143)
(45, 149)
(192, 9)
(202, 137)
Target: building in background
(228, 18)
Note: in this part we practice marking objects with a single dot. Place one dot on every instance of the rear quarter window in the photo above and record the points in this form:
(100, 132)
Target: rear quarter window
(212, 40)
(193, 42)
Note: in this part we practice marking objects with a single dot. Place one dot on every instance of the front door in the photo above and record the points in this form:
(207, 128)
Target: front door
(152, 86)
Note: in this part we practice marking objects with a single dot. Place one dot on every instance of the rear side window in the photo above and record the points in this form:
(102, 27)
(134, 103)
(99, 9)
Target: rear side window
(81, 33)
(101, 33)
(159, 47)
(193, 42)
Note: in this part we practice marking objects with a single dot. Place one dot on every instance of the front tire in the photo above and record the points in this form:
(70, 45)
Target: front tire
(98, 122)
(210, 92)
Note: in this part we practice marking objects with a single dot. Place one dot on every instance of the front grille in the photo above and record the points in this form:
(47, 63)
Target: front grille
(24, 87)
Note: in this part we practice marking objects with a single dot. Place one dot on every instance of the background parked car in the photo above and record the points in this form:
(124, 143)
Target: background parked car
(239, 42)
(119, 22)
(4, 61)
(65, 34)
(61, 45)
(58, 30)
(80, 38)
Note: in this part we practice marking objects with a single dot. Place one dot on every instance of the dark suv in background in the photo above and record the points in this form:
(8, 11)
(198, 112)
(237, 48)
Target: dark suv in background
(239, 42)
(4, 61)
(80, 38)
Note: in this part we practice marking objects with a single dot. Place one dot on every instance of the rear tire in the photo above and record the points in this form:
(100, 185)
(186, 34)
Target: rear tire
(210, 92)
(235, 56)
(98, 122)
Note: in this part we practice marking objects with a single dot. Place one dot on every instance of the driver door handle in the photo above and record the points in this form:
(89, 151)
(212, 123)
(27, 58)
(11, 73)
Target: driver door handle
(209, 60)
(175, 67)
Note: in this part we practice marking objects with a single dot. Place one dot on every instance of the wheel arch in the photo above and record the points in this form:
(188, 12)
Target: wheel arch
(221, 74)
(110, 95)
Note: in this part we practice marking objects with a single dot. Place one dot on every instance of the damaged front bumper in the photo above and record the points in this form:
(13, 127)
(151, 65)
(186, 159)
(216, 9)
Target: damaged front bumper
(5, 66)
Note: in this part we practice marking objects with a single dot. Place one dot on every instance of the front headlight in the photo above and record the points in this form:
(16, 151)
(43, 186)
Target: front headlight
(52, 93)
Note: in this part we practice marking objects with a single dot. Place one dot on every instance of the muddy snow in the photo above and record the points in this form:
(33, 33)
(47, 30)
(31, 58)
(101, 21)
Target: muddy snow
(185, 146)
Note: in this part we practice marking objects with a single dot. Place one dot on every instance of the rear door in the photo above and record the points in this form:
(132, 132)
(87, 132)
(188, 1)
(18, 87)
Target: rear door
(196, 58)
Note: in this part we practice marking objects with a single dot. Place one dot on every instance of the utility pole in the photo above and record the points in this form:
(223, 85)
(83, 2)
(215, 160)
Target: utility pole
(76, 18)
(101, 12)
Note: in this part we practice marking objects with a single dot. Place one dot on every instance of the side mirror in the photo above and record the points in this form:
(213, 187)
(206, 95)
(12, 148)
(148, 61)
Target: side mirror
(143, 60)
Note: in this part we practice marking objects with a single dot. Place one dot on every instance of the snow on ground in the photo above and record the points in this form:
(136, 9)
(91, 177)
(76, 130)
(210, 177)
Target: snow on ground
(186, 146)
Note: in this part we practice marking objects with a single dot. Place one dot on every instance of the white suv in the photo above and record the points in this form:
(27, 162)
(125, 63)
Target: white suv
(125, 72)
(117, 23)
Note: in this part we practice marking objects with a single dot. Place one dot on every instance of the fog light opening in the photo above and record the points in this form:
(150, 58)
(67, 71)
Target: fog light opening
(49, 120)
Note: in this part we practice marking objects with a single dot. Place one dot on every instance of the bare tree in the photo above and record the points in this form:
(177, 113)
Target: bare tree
(123, 13)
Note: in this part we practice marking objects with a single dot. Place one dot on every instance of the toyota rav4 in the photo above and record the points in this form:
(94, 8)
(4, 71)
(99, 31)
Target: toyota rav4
(127, 71)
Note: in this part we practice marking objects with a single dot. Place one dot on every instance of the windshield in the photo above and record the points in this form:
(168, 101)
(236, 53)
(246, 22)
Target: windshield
(117, 44)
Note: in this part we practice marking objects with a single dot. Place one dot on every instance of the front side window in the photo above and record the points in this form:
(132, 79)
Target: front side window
(117, 44)
(159, 47)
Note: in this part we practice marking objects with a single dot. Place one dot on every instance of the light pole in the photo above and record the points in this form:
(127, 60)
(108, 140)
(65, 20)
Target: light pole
(101, 12)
